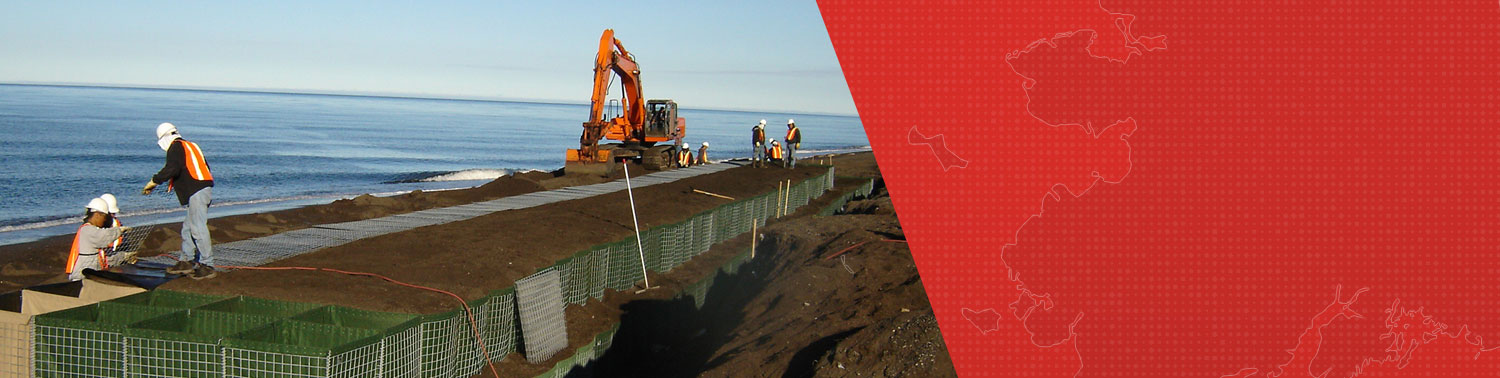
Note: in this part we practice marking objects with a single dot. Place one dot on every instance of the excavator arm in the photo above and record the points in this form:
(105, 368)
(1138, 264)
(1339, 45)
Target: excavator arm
(614, 60)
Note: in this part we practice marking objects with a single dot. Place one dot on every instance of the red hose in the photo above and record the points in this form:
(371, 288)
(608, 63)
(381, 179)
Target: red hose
(468, 312)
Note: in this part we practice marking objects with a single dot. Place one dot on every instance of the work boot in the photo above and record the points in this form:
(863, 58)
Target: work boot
(203, 272)
(182, 267)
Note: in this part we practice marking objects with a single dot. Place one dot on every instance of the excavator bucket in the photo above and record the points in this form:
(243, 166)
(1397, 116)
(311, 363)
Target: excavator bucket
(602, 167)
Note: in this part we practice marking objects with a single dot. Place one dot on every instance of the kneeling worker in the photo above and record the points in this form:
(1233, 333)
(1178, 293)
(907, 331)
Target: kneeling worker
(92, 238)
(775, 152)
(113, 256)
(684, 158)
(703, 154)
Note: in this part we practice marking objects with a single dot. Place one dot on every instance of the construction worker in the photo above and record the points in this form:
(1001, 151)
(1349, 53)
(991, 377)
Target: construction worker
(113, 206)
(703, 154)
(684, 158)
(677, 148)
(113, 255)
(92, 238)
(793, 142)
(758, 140)
(187, 172)
(775, 152)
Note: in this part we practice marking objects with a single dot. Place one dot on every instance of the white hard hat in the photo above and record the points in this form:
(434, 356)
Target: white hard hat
(165, 129)
(790, 121)
(165, 134)
(705, 144)
(98, 205)
(114, 204)
(773, 141)
(762, 122)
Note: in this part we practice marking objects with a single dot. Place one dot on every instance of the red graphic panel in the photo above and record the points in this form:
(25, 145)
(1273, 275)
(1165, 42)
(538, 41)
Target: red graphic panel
(1192, 189)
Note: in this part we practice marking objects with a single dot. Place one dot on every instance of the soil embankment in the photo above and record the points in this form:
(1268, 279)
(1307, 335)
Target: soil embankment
(793, 312)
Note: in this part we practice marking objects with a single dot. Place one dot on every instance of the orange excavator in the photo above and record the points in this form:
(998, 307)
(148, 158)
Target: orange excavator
(638, 125)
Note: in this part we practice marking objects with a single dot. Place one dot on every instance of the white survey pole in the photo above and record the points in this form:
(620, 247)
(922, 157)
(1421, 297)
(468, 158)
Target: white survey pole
(636, 223)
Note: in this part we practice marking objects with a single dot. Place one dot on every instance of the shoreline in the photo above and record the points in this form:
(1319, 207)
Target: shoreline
(40, 261)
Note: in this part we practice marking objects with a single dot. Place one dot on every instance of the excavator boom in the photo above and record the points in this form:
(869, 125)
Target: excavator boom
(613, 59)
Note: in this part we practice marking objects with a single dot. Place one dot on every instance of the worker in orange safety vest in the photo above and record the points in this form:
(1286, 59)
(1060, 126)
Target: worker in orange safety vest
(793, 142)
(775, 152)
(684, 158)
(703, 154)
(187, 172)
(92, 238)
(758, 144)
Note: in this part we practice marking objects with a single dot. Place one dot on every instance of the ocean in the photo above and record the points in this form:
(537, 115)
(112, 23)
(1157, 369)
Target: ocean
(62, 146)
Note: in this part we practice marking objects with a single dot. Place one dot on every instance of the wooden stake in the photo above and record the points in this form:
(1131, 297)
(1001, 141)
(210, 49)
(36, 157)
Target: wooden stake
(753, 236)
(712, 194)
(777, 209)
(788, 200)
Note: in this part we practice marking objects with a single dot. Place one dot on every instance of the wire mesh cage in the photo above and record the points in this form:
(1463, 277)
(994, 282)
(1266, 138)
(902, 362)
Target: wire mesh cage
(87, 340)
(500, 331)
(400, 335)
(437, 344)
(15, 344)
(468, 358)
(297, 349)
(183, 343)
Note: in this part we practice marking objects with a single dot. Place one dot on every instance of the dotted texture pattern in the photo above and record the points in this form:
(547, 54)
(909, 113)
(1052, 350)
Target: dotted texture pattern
(1192, 189)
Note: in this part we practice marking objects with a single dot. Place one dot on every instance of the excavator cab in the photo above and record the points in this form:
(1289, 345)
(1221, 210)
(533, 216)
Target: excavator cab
(661, 119)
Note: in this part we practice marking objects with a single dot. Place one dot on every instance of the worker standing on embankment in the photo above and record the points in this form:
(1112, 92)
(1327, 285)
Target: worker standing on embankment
(92, 237)
(793, 142)
(758, 139)
(186, 171)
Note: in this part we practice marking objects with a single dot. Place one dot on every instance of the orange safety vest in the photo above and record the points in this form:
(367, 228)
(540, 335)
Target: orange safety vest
(73, 253)
(115, 246)
(791, 133)
(197, 167)
(776, 152)
(684, 158)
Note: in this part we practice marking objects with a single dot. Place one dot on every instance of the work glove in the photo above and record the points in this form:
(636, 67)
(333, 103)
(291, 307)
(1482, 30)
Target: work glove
(797, 146)
(150, 185)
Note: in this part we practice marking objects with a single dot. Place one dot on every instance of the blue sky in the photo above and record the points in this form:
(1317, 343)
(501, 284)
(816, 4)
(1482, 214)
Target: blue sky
(765, 55)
